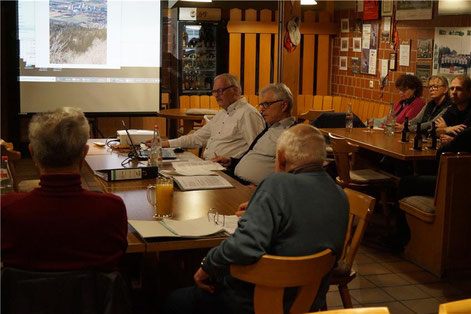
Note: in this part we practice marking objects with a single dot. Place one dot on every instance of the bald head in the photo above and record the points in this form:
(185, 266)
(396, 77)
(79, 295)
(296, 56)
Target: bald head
(299, 145)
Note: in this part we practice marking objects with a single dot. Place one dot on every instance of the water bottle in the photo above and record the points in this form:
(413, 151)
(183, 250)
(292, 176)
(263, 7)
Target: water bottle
(349, 118)
(155, 154)
(6, 177)
(390, 122)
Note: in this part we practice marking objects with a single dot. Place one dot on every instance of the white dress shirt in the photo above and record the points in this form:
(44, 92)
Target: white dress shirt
(258, 163)
(229, 133)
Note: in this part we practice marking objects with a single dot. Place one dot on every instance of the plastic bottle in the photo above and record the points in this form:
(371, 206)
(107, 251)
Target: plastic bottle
(405, 131)
(6, 177)
(418, 138)
(390, 122)
(155, 154)
(349, 118)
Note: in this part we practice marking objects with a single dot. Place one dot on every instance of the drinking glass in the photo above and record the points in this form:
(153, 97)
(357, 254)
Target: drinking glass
(160, 196)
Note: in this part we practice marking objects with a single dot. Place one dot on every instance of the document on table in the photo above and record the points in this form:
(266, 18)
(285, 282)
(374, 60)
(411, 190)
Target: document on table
(200, 165)
(188, 172)
(191, 183)
(169, 228)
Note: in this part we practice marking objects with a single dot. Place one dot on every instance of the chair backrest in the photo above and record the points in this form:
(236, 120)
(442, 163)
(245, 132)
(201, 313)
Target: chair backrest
(63, 292)
(456, 307)
(272, 274)
(361, 207)
(344, 153)
(13, 156)
(312, 115)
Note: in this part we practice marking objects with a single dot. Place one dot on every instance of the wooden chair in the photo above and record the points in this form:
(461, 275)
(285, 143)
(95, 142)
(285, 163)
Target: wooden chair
(361, 207)
(361, 310)
(456, 307)
(272, 274)
(13, 157)
(360, 180)
(439, 225)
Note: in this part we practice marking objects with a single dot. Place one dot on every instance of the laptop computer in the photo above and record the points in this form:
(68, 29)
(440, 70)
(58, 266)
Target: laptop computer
(144, 154)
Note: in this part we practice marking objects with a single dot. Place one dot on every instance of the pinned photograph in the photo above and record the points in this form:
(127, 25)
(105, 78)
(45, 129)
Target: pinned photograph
(343, 63)
(344, 43)
(344, 26)
(424, 48)
(356, 63)
(356, 44)
(392, 61)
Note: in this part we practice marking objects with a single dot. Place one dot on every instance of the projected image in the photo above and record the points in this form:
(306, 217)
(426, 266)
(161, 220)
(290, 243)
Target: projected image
(77, 31)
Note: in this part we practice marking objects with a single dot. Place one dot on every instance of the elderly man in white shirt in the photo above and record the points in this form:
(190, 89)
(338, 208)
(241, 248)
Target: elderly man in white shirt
(259, 160)
(232, 129)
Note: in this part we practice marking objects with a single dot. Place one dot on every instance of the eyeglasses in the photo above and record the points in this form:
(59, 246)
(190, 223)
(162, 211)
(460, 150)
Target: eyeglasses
(267, 104)
(435, 87)
(403, 89)
(220, 90)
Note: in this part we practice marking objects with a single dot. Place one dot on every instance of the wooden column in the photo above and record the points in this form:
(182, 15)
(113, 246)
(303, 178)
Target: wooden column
(290, 65)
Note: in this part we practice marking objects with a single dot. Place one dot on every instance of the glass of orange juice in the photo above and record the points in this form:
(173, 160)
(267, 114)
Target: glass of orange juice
(160, 196)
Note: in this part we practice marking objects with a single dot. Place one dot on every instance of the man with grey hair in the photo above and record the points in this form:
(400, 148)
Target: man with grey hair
(60, 226)
(299, 210)
(232, 129)
(259, 160)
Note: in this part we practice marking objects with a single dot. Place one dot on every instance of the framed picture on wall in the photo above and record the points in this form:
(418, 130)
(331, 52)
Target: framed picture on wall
(387, 7)
(343, 63)
(344, 43)
(344, 26)
(392, 61)
(356, 63)
(414, 10)
(423, 71)
(424, 48)
(357, 44)
(370, 10)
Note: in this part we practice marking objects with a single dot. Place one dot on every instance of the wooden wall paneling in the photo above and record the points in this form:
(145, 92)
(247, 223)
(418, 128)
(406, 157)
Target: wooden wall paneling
(309, 46)
(204, 101)
(383, 110)
(147, 123)
(344, 104)
(323, 59)
(253, 100)
(317, 104)
(250, 54)
(213, 104)
(356, 107)
(265, 52)
(301, 105)
(165, 100)
(275, 52)
(373, 110)
(235, 44)
(327, 103)
(337, 103)
(109, 125)
(194, 101)
(184, 102)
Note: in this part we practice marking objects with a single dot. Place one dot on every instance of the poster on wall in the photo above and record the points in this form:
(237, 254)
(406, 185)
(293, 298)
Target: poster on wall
(424, 48)
(423, 71)
(387, 7)
(386, 30)
(451, 51)
(370, 10)
(369, 48)
(414, 9)
(356, 65)
(404, 53)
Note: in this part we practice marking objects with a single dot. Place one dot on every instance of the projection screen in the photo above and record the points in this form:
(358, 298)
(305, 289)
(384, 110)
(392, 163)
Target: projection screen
(100, 55)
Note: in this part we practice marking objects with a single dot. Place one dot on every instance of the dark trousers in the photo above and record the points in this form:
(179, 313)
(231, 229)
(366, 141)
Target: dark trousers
(194, 300)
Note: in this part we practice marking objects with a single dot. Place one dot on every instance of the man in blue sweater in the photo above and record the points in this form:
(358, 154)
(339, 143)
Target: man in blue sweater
(298, 210)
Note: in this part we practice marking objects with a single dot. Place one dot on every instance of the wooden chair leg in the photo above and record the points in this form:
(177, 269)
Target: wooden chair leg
(345, 295)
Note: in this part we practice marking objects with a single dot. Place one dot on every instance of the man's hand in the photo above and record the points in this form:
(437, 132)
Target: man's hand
(440, 123)
(222, 160)
(242, 208)
(445, 139)
(165, 144)
(455, 129)
(201, 277)
(399, 127)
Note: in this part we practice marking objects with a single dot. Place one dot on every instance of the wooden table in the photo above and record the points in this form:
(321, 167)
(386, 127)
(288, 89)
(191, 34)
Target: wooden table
(186, 205)
(180, 114)
(378, 142)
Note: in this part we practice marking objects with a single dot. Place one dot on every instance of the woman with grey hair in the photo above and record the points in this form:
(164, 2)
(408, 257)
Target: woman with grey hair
(435, 108)
(61, 226)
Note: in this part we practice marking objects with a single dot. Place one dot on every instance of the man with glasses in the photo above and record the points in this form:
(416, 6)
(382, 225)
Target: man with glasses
(232, 129)
(438, 91)
(259, 160)
(458, 116)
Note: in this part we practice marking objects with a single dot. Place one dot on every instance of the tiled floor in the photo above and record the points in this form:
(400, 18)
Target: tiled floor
(386, 279)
